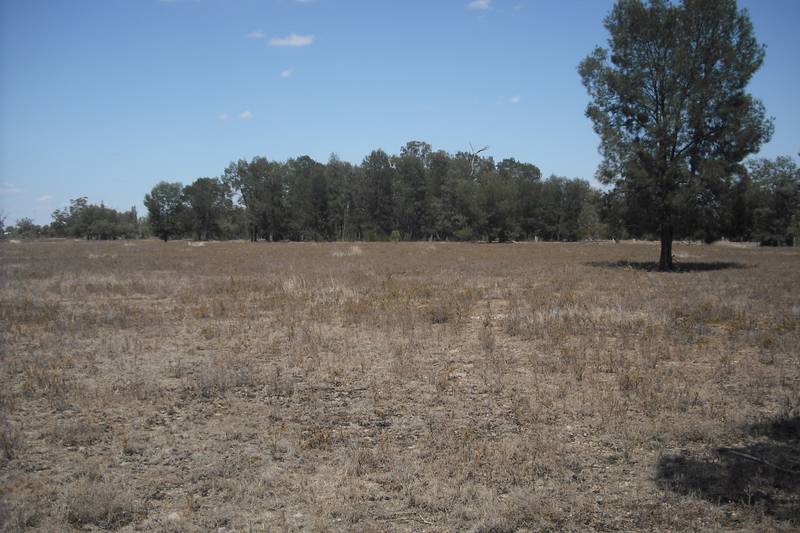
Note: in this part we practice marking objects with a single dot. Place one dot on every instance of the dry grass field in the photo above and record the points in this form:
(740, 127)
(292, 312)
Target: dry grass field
(412, 386)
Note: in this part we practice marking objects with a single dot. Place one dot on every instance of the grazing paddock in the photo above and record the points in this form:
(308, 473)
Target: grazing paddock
(410, 386)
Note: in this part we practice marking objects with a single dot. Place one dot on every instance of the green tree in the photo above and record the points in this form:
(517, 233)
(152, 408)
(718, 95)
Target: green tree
(207, 201)
(342, 203)
(589, 224)
(552, 216)
(378, 180)
(60, 222)
(26, 228)
(410, 185)
(164, 205)
(77, 224)
(92, 221)
(307, 199)
(669, 102)
(261, 187)
(497, 199)
(525, 181)
(433, 223)
(738, 209)
(463, 217)
(775, 198)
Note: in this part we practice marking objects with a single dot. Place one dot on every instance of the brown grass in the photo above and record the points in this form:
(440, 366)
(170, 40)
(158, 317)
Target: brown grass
(411, 386)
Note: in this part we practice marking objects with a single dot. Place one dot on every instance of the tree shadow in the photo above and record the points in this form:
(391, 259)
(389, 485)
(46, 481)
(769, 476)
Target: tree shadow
(652, 266)
(764, 473)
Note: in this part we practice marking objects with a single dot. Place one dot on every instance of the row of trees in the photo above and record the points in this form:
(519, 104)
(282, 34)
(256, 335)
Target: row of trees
(83, 220)
(426, 194)
(418, 194)
(758, 202)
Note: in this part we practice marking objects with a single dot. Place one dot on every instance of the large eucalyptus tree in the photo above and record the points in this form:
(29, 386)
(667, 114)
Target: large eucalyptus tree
(669, 102)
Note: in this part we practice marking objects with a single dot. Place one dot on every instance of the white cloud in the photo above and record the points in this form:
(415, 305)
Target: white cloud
(245, 115)
(224, 117)
(287, 73)
(7, 189)
(292, 40)
(256, 34)
(515, 99)
(46, 199)
(479, 5)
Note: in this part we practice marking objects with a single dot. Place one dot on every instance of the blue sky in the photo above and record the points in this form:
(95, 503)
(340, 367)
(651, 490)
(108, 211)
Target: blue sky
(104, 98)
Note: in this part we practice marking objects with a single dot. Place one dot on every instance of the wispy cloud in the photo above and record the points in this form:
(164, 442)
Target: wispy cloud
(256, 34)
(46, 199)
(287, 73)
(224, 117)
(8, 189)
(292, 40)
(515, 99)
(479, 5)
(245, 115)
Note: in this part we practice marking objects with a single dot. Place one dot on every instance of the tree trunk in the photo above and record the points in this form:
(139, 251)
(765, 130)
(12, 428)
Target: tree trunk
(665, 261)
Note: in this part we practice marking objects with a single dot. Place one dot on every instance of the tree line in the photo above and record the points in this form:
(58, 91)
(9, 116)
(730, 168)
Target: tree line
(83, 220)
(418, 194)
(422, 194)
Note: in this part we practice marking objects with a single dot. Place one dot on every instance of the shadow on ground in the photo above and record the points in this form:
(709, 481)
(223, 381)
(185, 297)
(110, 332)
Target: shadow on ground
(764, 473)
(652, 266)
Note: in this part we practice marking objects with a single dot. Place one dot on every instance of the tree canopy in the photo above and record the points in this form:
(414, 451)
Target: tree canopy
(669, 102)
(164, 208)
(422, 193)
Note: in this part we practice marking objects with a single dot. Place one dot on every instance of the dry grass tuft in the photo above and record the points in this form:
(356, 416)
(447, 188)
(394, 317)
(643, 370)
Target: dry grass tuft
(350, 251)
(97, 502)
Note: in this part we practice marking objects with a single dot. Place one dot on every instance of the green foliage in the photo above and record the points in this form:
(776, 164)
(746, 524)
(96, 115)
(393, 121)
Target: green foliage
(207, 201)
(377, 188)
(307, 200)
(668, 101)
(772, 200)
(25, 228)
(589, 224)
(91, 221)
(419, 193)
(412, 166)
(426, 194)
(422, 194)
(165, 205)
